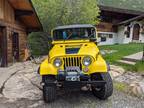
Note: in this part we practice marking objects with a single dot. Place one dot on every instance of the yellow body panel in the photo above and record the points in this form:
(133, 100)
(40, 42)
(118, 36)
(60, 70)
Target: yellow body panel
(86, 49)
(98, 66)
(47, 68)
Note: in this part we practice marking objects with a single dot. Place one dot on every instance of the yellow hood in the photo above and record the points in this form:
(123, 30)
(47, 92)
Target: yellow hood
(60, 50)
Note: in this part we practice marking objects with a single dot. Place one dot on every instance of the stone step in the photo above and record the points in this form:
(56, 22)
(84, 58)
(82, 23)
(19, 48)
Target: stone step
(127, 62)
(130, 59)
(134, 57)
(136, 41)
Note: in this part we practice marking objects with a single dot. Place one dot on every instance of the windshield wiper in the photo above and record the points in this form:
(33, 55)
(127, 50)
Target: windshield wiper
(89, 36)
(68, 37)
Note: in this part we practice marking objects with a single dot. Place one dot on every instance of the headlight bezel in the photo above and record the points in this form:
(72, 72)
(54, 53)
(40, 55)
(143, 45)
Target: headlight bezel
(57, 62)
(87, 61)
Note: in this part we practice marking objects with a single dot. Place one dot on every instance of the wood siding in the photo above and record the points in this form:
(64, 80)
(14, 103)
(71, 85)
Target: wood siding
(7, 18)
(105, 27)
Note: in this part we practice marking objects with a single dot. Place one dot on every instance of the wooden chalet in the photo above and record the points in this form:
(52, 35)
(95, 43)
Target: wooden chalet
(17, 19)
(120, 25)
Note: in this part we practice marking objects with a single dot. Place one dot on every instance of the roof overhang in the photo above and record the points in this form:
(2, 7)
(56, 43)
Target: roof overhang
(26, 13)
(119, 10)
(138, 18)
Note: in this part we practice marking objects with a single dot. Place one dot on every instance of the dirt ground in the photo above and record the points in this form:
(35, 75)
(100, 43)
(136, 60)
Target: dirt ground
(77, 100)
(20, 88)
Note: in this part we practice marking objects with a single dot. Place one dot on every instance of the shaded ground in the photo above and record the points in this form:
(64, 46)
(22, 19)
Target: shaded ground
(20, 88)
(78, 100)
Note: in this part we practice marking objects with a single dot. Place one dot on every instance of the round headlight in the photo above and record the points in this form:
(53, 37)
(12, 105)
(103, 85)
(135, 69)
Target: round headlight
(87, 61)
(57, 62)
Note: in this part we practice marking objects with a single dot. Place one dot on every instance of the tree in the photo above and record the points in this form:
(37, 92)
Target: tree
(54, 13)
(63, 12)
(39, 43)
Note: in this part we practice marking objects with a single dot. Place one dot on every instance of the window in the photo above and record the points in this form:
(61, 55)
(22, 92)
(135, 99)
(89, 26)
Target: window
(15, 46)
(104, 36)
(103, 39)
(74, 33)
(110, 35)
(127, 32)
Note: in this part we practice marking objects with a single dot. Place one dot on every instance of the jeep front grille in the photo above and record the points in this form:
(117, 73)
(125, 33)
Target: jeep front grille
(72, 61)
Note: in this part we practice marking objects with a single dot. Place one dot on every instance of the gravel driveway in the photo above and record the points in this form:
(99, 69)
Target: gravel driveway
(78, 100)
(20, 88)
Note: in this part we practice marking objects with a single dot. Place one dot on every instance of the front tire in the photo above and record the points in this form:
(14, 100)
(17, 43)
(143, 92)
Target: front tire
(49, 90)
(105, 91)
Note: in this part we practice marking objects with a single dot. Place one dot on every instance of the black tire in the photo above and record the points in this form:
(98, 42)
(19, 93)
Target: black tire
(49, 91)
(105, 91)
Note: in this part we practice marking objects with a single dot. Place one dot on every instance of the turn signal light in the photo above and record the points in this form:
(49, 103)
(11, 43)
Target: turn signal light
(85, 69)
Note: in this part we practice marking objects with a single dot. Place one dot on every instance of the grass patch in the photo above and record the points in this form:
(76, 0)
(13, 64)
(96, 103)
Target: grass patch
(124, 50)
(140, 66)
(127, 67)
(121, 86)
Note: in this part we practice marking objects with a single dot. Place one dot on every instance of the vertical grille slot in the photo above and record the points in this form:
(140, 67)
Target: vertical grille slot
(72, 61)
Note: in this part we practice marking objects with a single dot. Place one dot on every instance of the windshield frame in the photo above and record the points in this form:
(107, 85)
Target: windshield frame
(88, 38)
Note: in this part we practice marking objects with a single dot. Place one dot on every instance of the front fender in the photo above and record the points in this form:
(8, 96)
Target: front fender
(98, 66)
(47, 68)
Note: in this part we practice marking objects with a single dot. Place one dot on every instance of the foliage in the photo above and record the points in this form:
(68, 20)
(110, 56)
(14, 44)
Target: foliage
(39, 43)
(136, 5)
(140, 66)
(63, 12)
(54, 13)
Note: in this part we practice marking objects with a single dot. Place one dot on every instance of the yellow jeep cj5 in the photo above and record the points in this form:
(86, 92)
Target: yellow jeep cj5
(75, 62)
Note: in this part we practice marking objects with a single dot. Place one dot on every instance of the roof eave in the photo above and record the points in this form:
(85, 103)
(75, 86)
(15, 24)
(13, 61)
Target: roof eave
(41, 27)
(131, 20)
(120, 10)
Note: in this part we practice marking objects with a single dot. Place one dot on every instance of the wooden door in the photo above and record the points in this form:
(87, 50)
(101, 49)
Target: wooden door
(3, 47)
(136, 32)
(15, 46)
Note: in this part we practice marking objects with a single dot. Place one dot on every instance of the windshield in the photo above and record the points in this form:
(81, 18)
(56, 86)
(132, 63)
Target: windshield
(74, 34)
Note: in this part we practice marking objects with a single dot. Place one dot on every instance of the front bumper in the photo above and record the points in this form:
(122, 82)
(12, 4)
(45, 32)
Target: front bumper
(84, 80)
(77, 84)
(81, 77)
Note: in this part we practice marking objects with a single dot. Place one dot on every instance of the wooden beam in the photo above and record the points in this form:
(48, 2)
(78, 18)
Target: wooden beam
(138, 18)
(19, 13)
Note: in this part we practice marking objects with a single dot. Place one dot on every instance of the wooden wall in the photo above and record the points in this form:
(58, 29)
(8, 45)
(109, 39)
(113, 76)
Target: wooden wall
(1, 9)
(7, 16)
(22, 42)
(105, 27)
(6, 11)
